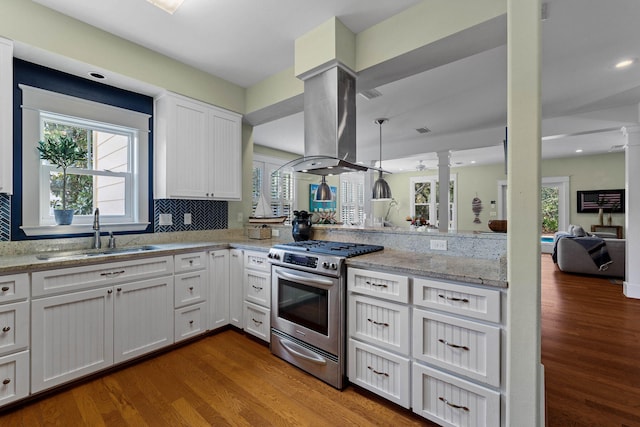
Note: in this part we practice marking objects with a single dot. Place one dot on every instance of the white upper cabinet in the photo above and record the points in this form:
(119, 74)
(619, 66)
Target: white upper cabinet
(6, 116)
(197, 150)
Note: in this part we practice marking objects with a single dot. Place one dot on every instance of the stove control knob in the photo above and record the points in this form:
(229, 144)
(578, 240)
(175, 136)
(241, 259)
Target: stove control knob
(269, 255)
(325, 264)
(276, 256)
(334, 266)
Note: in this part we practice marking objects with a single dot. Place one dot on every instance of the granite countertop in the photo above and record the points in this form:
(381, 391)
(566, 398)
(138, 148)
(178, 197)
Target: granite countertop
(462, 269)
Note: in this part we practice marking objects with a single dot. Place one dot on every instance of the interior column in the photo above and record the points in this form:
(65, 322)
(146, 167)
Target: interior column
(631, 286)
(444, 176)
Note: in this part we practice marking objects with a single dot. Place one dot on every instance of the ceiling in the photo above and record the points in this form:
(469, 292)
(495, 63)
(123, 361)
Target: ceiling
(585, 99)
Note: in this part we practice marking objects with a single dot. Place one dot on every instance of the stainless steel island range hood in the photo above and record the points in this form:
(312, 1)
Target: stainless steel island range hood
(329, 124)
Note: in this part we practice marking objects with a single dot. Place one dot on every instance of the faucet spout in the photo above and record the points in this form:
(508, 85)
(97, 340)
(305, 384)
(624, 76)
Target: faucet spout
(96, 227)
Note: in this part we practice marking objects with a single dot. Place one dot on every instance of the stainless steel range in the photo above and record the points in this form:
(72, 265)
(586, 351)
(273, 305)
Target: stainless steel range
(308, 305)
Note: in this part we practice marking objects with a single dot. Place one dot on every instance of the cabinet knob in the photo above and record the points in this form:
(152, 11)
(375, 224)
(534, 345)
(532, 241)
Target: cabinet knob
(6, 329)
(190, 262)
(5, 288)
(191, 288)
(6, 381)
(191, 322)
(119, 289)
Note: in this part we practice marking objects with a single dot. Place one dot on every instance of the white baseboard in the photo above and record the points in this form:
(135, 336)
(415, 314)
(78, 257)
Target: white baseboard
(631, 290)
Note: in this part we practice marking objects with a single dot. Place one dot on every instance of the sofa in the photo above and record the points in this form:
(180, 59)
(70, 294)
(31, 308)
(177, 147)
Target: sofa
(571, 257)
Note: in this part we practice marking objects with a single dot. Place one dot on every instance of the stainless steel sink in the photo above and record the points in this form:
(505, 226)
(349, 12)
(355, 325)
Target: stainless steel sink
(88, 253)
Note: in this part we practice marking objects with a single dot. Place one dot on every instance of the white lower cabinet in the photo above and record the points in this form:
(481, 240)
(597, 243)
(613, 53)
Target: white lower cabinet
(190, 321)
(452, 401)
(14, 377)
(379, 371)
(257, 321)
(430, 345)
(236, 291)
(219, 288)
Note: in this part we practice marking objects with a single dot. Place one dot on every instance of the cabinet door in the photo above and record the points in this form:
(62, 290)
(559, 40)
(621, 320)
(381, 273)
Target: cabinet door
(71, 336)
(6, 116)
(227, 162)
(190, 321)
(382, 323)
(219, 288)
(190, 288)
(14, 327)
(257, 287)
(14, 377)
(188, 160)
(143, 317)
(236, 293)
(257, 321)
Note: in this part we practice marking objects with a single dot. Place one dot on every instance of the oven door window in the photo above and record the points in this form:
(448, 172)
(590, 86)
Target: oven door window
(304, 305)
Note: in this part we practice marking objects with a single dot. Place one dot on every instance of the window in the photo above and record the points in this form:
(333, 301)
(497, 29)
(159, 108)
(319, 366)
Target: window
(113, 177)
(277, 186)
(352, 198)
(424, 196)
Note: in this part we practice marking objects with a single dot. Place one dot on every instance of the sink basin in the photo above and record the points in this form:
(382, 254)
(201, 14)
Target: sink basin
(88, 253)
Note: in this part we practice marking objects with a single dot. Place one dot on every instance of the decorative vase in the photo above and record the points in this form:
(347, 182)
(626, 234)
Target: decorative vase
(601, 216)
(63, 216)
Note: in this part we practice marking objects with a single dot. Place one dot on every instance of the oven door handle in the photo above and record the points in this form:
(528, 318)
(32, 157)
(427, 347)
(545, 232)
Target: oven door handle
(311, 281)
(302, 352)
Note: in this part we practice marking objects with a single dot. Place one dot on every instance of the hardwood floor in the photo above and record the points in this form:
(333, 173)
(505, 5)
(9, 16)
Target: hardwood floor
(222, 380)
(590, 350)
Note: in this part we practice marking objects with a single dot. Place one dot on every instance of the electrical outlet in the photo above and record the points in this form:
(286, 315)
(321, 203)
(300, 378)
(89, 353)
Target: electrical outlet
(187, 219)
(438, 245)
(166, 219)
(275, 232)
(493, 214)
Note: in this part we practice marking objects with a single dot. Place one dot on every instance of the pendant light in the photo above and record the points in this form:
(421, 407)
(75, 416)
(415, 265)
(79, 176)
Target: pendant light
(323, 192)
(381, 190)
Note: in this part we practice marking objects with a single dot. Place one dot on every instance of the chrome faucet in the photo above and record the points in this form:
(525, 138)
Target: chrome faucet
(96, 229)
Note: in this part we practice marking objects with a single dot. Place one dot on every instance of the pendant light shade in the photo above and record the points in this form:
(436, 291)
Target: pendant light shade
(323, 192)
(381, 189)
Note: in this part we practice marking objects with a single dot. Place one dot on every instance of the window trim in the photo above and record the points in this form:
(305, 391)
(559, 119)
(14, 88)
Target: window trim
(273, 164)
(37, 100)
(433, 206)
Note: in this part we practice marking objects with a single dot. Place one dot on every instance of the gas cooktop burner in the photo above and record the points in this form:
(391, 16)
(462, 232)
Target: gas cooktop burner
(342, 249)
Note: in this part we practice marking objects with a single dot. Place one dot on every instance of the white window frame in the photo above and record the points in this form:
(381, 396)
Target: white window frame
(37, 101)
(433, 205)
(352, 201)
(269, 165)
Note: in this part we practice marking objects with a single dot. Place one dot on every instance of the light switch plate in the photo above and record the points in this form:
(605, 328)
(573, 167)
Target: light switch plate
(438, 245)
(166, 219)
(187, 219)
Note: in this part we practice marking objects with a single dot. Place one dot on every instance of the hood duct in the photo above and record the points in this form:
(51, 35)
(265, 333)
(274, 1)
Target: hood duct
(329, 124)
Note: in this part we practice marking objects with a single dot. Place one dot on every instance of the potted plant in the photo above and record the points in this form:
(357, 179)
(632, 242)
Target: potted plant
(63, 152)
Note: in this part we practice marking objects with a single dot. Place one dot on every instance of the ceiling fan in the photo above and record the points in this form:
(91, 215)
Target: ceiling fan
(420, 166)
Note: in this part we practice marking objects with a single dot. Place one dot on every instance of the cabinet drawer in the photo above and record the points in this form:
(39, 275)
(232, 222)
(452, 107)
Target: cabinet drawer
(257, 287)
(14, 327)
(383, 285)
(190, 321)
(14, 287)
(190, 262)
(74, 279)
(462, 346)
(451, 401)
(256, 261)
(190, 288)
(379, 371)
(469, 301)
(382, 323)
(257, 321)
(14, 377)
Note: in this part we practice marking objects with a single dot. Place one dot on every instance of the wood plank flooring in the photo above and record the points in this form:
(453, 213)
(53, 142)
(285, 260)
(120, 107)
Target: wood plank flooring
(225, 379)
(590, 350)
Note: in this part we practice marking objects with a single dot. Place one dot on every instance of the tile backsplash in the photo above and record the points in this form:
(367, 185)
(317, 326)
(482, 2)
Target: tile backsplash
(205, 215)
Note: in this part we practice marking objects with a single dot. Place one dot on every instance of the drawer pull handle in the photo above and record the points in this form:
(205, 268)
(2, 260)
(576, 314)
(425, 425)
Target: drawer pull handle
(191, 288)
(257, 288)
(259, 261)
(454, 299)
(6, 329)
(5, 288)
(112, 273)
(110, 291)
(445, 342)
(190, 262)
(453, 405)
(257, 322)
(191, 322)
(378, 323)
(119, 289)
(379, 285)
(6, 381)
(377, 372)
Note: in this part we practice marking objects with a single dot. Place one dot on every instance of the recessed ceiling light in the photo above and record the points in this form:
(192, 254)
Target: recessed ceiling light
(96, 75)
(625, 63)
(473, 162)
(168, 6)
(579, 150)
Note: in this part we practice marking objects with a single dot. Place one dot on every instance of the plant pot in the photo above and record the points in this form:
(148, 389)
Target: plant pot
(63, 216)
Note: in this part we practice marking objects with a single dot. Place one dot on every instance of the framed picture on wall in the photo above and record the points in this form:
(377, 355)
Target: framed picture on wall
(608, 200)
